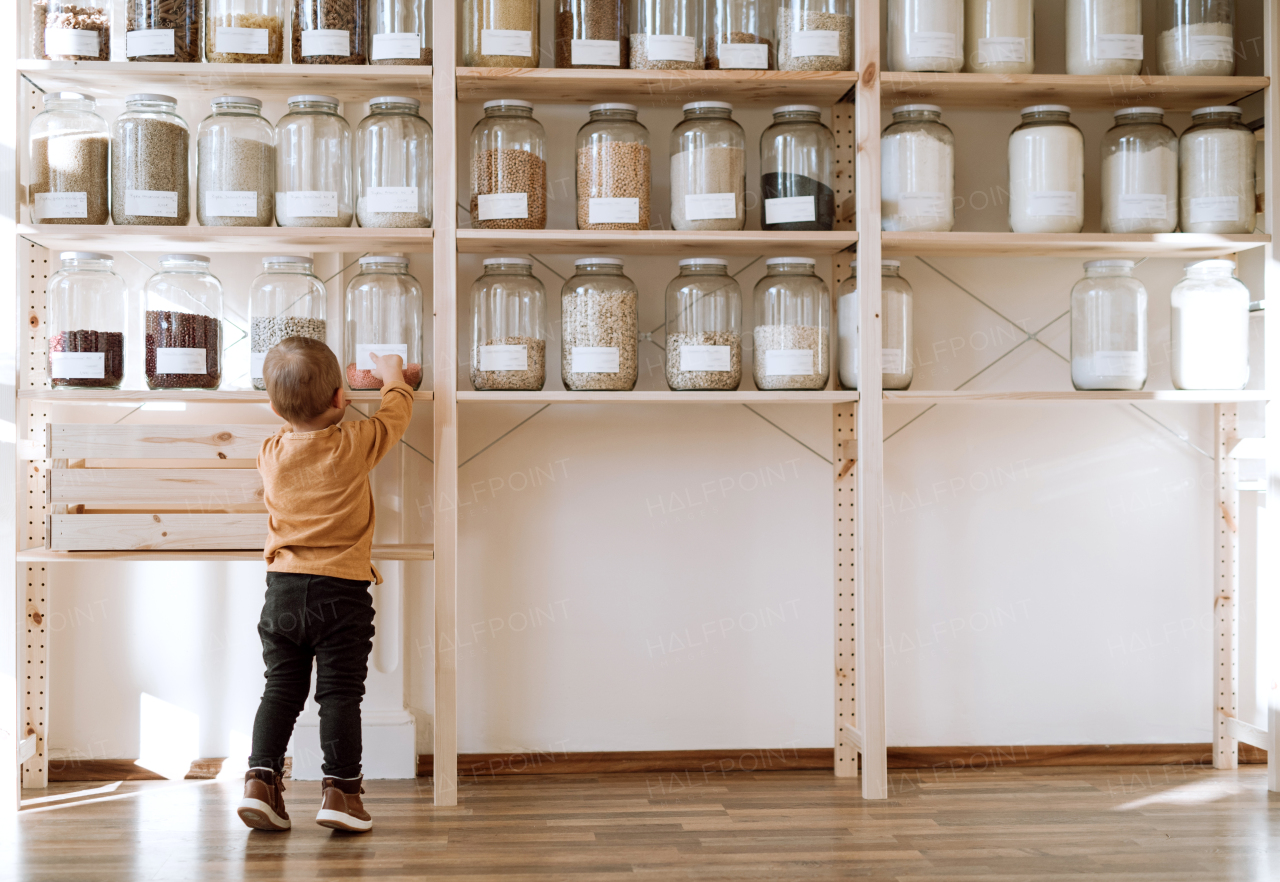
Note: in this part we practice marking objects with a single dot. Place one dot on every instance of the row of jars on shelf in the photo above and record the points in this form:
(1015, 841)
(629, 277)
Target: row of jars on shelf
(309, 170)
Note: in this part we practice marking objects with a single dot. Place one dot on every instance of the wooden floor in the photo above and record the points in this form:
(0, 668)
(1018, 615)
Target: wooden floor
(1155, 824)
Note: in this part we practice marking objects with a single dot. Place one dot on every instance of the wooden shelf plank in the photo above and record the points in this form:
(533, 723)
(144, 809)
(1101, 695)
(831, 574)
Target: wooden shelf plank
(191, 396)
(650, 242)
(221, 239)
(747, 396)
(195, 488)
(380, 552)
(1172, 395)
(1191, 245)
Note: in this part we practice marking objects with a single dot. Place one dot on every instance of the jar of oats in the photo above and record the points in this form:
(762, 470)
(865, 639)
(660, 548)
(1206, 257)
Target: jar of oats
(793, 321)
(613, 170)
(599, 327)
(508, 321)
(704, 326)
(499, 33)
(708, 169)
(508, 168)
(815, 35)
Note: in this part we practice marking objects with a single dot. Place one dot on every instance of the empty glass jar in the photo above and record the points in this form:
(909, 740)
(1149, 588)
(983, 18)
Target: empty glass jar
(87, 308)
(149, 162)
(1216, 163)
(1046, 172)
(236, 165)
(896, 333)
(796, 181)
(666, 35)
(384, 317)
(313, 164)
(741, 36)
(600, 337)
(508, 327)
(393, 165)
(183, 324)
(329, 32)
(1209, 328)
(1109, 328)
(63, 31)
(704, 326)
(926, 35)
(508, 168)
(1197, 38)
(70, 162)
(1000, 36)
(708, 169)
(593, 34)
(917, 171)
(793, 320)
(500, 33)
(1139, 173)
(1104, 37)
(815, 34)
(613, 170)
(286, 300)
(400, 32)
(163, 30)
(243, 31)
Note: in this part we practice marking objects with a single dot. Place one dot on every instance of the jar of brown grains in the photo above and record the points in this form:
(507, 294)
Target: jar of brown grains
(183, 324)
(708, 169)
(704, 326)
(508, 168)
(793, 324)
(500, 33)
(150, 160)
(508, 322)
(740, 35)
(329, 32)
(592, 34)
(88, 306)
(666, 35)
(599, 333)
(400, 32)
(244, 31)
(383, 317)
(70, 162)
(613, 170)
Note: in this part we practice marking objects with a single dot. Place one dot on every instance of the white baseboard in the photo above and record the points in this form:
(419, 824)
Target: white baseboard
(389, 746)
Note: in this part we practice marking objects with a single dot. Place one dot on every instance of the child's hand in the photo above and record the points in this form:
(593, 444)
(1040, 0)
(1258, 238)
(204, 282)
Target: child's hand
(388, 368)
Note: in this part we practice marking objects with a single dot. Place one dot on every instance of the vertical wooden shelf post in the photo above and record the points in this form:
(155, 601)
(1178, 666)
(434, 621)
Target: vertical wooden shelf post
(1226, 581)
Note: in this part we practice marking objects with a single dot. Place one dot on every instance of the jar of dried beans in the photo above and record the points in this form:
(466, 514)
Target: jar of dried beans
(149, 163)
(235, 165)
(500, 33)
(613, 170)
(243, 31)
(508, 321)
(1217, 159)
(183, 324)
(163, 30)
(815, 35)
(329, 32)
(75, 31)
(666, 35)
(896, 338)
(796, 163)
(508, 168)
(592, 34)
(393, 165)
(741, 35)
(708, 169)
(793, 320)
(384, 317)
(704, 326)
(313, 164)
(286, 300)
(599, 332)
(70, 165)
(87, 307)
(400, 32)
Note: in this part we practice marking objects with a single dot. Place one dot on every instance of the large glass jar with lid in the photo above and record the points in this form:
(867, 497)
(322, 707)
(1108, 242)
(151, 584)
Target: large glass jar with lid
(384, 317)
(926, 35)
(897, 341)
(666, 35)
(613, 170)
(599, 333)
(500, 33)
(1217, 160)
(1000, 36)
(70, 162)
(917, 171)
(815, 34)
(1209, 327)
(149, 162)
(508, 168)
(163, 30)
(87, 307)
(1109, 328)
(1104, 37)
(286, 300)
(508, 327)
(71, 31)
(236, 165)
(593, 34)
(393, 165)
(243, 31)
(1139, 173)
(704, 326)
(400, 32)
(741, 35)
(1197, 38)
(183, 324)
(708, 169)
(797, 153)
(793, 321)
(1046, 172)
(313, 164)
(329, 32)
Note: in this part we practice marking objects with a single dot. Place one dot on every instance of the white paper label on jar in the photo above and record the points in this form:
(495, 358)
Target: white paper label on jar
(613, 210)
(790, 210)
(594, 360)
(181, 361)
(788, 362)
(71, 41)
(59, 205)
(243, 41)
(231, 203)
(396, 46)
(1120, 46)
(78, 365)
(932, 44)
(504, 357)
(992, 50)
(893, 361)
(669, 47)
(151, 203)
(743, 56)
(310, 203)
(1053, 203)
(391, 199)
(1212, 209)
(605, 52)
(705, 358)
(1112, 363)
(500, 206)
(255, 364)
(1142, 206)
(923, 203)
(501, 42)
(815, 43)
(325, 41)
(711, 206)
(151, 41)
(1212, 49)
(364, 350)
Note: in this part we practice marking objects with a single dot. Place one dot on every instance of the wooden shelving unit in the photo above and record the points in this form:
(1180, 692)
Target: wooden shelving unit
(1193, 246)
(258, 240)
(669, 242)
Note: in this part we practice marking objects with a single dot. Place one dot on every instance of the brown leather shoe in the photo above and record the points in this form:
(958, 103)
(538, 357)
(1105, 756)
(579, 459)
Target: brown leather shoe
(341, 807)
(262, 807)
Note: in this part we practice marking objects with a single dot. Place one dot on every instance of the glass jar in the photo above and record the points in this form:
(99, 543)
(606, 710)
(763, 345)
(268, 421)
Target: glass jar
(235, 165)
(400, 32)
(286, 300)
(600, 337)
(87, 307)
(500, 33)
(897, 340)
(926, 35)
(508, 168)
(393, 165)
(243, 31)
(1104, 37)
(1216, 164)
(793, 320)
(149, 163)
(796, 156)
(704, 326)
(1139, 173)
(328, 32)
(815, 34)
(666, 35)
(741, 36)
(1209, 327)
(162, 31)
(70, 162)
(1109, 328)
(613, 170)
(708, 169)
(592, 34)
(1046, 172)
(384, 317)
(1000, 36)
(79, 31)
(508, 327)
(313, 164)
(917, 171)
(1197, 38)
(183, 324)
